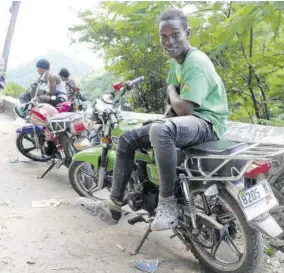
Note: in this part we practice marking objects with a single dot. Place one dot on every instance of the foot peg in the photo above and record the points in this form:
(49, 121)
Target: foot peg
(137, 219)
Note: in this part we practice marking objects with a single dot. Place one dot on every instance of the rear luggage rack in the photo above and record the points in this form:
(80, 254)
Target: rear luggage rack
(249, 154)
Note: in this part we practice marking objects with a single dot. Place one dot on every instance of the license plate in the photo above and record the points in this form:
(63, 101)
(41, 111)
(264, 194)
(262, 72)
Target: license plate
(257, 200)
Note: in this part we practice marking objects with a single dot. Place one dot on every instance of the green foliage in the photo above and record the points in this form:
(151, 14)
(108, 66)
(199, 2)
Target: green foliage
(269, 251)
(243, 39)
(127, 31)
(13, 90)
(94, 85)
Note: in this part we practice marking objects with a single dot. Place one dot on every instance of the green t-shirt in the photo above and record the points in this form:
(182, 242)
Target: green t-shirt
(199, 83)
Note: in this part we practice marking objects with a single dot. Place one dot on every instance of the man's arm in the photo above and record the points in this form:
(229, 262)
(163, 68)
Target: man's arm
(52, 85)
(181, 107)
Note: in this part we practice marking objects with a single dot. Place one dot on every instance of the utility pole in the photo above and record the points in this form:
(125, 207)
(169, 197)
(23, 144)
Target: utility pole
(14, 10)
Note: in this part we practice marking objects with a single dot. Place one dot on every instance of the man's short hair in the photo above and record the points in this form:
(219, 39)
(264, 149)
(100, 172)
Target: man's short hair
(173, 14)
(64, 73)
(43, 64)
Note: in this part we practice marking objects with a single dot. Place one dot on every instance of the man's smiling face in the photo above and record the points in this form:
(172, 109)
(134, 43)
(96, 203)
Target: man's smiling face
(173, 37)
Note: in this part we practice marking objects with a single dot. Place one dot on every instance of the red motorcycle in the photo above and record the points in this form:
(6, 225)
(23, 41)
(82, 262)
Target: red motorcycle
(52, 131)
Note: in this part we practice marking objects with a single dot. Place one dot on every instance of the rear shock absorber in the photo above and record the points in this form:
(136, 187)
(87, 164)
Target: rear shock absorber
(189, 200)
(59, 147)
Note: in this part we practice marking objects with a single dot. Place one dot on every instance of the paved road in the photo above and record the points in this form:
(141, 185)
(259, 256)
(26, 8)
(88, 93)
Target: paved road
(65, 238)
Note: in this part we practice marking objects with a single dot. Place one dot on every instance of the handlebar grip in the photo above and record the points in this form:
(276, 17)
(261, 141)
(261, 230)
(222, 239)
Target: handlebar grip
(136, 81)
(113, 119)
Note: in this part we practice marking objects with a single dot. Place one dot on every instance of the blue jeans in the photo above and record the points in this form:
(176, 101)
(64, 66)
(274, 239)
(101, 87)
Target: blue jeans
(164, 137)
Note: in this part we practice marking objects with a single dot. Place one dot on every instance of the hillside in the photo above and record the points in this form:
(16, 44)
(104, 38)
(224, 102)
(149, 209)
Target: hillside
(25, 74)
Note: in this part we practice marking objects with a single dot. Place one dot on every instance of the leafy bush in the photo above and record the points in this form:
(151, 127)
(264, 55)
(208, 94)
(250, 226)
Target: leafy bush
(13, 90)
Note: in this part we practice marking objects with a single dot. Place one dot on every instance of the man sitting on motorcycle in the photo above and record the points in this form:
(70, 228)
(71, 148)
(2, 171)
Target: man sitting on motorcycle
(198, 98)
(57, 92)
(70, 84)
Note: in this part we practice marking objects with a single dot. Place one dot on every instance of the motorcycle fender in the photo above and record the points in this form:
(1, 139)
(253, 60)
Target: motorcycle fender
(264, 223)
(232, 189)
(93, 156)
(28, 129)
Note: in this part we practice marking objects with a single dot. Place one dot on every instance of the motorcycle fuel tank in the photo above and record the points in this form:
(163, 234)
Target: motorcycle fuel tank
(40, 112)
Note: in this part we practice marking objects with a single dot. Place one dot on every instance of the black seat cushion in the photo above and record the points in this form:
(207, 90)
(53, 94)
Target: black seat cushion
(220, 147)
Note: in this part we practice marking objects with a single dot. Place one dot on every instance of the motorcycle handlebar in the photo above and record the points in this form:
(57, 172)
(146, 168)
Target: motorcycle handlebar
(136, 81)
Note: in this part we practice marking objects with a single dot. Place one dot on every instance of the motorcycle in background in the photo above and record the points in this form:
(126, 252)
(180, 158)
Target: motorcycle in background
(57, 134)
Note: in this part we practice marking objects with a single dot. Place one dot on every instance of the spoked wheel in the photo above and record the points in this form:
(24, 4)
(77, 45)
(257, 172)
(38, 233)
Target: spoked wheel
(27, 147)
(84, 179)
(236, 249)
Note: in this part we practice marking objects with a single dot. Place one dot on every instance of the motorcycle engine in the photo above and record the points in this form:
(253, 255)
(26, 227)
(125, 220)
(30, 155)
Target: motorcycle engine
(49, 148)
(135, 200)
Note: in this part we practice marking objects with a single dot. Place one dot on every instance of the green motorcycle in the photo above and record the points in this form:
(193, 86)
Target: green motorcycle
(224, 199)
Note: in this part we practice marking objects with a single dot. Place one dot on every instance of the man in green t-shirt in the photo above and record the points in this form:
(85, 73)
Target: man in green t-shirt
(198, 98)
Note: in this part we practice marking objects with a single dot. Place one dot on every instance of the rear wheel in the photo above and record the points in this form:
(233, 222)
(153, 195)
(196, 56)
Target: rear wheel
(27, 147)
(240, 250)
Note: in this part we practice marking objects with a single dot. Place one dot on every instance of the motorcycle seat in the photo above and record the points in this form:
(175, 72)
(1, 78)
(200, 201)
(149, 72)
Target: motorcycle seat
(219, 147)
(62, 120)
(62, 116)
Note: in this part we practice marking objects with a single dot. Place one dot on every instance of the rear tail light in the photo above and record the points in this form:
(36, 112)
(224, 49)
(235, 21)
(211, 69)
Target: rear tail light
(77, 89)
(257, 168)
(77, 127)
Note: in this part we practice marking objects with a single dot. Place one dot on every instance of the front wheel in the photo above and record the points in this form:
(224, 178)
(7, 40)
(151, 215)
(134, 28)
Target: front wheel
(27, 147)
(83, 178)
(240, 251)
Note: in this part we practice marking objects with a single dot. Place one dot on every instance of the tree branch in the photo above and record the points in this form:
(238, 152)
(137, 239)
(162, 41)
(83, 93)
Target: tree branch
(272, 71)
(249, 83)
(229, 9)
(240, 74)
(240, 92)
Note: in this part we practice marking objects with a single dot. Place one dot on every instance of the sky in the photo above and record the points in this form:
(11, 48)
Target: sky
(42, 26)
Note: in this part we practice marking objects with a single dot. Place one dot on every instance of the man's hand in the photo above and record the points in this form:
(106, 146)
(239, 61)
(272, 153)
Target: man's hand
(34, 85)
(172, 89)
(180, 107)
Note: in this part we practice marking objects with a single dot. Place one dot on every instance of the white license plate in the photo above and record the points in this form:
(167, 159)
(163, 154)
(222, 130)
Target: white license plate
(257, 200)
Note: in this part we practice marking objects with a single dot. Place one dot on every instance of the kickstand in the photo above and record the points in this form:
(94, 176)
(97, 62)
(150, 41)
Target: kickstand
(48, 170)
(146, 234)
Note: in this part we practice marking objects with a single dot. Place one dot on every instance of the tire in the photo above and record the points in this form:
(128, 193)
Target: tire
(19, 144)
(73, 173)
(253, 251)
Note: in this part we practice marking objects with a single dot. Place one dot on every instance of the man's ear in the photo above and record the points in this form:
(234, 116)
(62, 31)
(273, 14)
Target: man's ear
(188, 32)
